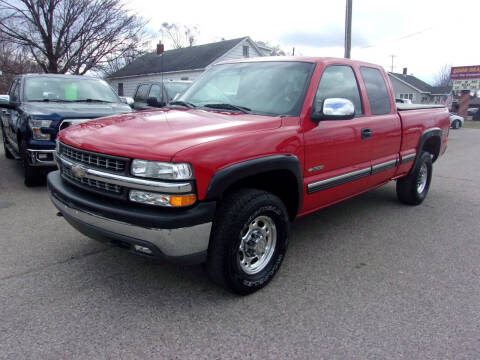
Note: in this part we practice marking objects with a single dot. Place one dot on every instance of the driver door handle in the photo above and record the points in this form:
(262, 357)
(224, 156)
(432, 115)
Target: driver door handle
(366, 133)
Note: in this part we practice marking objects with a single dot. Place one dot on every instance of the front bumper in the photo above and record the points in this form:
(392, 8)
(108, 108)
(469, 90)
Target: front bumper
(178, 236)
(41, 157)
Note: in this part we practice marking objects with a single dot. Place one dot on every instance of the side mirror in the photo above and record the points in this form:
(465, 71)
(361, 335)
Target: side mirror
(334, 109)
(5, 102)
(126, 100)
(151, 101)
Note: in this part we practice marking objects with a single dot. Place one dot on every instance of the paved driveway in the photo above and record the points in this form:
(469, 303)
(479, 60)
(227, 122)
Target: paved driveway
(366, 279)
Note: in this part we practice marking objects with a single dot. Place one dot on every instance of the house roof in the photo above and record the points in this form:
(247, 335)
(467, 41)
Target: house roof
(420, 85)
(189, 58)
(413, 81)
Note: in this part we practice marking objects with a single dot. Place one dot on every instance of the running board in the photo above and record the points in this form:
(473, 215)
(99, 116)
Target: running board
(14, 153)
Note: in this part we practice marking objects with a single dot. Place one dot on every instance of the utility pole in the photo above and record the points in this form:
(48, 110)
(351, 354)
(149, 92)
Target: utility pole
(392, 56)
(348, 29)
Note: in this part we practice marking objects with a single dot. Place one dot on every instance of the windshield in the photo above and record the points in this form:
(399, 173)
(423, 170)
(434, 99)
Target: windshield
(68, 89)
(175, 89)
(266, 88)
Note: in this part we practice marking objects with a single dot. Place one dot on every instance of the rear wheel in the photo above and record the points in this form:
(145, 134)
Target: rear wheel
(413, 188)
(33, 175)
(249, 241)
(456, 124)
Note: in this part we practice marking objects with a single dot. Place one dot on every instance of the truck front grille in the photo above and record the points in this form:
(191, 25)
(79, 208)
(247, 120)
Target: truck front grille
(96, 184)
(110, 163)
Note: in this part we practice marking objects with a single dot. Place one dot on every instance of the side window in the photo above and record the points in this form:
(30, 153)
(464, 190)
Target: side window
(156, 92)
(15, 91)
(338, 81)
(141, 94)
(377, 91)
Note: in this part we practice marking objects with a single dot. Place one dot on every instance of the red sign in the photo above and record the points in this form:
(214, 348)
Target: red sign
(465, 72)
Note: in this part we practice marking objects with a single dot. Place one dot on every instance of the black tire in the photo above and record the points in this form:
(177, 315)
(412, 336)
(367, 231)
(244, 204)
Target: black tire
(33, 175)
(237, 215)
(409, 189)
(456, 124)
(8, 154)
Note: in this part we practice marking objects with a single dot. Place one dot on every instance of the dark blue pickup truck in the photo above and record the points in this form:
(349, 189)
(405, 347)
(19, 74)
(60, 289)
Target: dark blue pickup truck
(38, 106)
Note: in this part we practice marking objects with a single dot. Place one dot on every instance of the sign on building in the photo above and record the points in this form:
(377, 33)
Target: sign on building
(466, 77)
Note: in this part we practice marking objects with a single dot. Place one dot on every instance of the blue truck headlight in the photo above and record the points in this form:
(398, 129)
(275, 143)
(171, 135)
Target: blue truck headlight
(36, 126)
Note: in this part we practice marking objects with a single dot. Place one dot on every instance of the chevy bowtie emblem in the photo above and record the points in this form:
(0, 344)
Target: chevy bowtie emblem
(79, 171)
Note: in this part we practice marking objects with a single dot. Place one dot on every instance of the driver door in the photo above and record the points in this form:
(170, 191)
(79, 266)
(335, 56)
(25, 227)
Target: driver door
(337, 152)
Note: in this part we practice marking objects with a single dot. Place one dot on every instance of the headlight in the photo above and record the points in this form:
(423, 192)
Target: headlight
(36, 126)
(161, 170)
(151, 198)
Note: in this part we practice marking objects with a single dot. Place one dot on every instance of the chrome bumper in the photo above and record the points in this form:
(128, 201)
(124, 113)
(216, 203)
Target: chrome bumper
(171, 243)
(41, 157)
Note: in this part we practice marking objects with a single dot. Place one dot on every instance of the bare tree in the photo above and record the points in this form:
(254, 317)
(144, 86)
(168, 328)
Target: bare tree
(14, 60)
(112, 64)
(72, 36)
(180, 35)
(443, 76)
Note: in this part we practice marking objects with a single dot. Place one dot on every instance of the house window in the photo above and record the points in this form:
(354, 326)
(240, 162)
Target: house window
(120, 89)
(406, 96)
(246, 51)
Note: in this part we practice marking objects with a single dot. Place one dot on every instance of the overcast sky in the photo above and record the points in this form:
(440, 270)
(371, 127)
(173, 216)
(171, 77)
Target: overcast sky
(423, 35)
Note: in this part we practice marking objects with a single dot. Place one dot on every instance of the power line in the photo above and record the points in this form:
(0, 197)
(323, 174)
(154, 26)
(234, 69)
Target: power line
(400, 38)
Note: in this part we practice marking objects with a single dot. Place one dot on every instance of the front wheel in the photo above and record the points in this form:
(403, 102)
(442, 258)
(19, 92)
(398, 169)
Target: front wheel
(456, 124)
(413, 188)
(249, 240)
(33, 175)
(8, 154)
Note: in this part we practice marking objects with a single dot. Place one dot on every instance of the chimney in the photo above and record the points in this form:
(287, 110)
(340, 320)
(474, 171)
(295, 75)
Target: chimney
(404, 71)
(160, 48)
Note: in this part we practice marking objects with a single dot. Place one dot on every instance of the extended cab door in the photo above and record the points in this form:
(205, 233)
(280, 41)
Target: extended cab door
(384, 124)
(337, 152)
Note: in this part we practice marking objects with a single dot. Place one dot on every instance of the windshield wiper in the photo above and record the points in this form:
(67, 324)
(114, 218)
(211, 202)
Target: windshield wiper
(183, 103)
(242, 109)
(47, 100)
(91, 100)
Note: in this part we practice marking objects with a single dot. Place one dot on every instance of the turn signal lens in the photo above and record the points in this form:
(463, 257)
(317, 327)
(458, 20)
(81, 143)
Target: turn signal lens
(151, 198)
(182, 200)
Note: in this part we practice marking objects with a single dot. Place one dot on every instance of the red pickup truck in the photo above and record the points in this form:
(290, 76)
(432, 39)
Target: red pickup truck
(219, 175)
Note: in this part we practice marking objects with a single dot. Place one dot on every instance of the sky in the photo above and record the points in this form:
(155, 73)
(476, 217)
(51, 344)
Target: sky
(423, 35)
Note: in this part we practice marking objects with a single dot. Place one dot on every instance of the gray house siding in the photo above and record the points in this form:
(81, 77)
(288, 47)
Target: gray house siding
(237, 52)
(130, 83)
(402, 88)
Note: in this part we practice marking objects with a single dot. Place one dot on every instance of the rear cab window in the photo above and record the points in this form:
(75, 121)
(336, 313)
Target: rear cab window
(142, 93)
(339, 81)
(377, 93)
(156, 92)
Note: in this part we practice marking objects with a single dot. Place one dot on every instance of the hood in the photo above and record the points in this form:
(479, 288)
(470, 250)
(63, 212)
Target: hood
(160, 134)
(66, 110)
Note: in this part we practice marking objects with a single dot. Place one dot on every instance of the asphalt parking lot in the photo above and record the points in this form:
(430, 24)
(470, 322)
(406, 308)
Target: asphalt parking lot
(366, 279)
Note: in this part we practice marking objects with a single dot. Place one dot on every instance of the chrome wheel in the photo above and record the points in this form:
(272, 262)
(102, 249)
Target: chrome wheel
(257, 245)
(422, 178)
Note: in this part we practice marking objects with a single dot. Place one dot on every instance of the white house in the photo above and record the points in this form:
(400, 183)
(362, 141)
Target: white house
(180, 64)
(419, 92)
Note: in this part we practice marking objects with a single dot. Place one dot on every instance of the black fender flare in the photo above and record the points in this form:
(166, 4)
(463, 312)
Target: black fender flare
(426, 135)
(229, 175)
